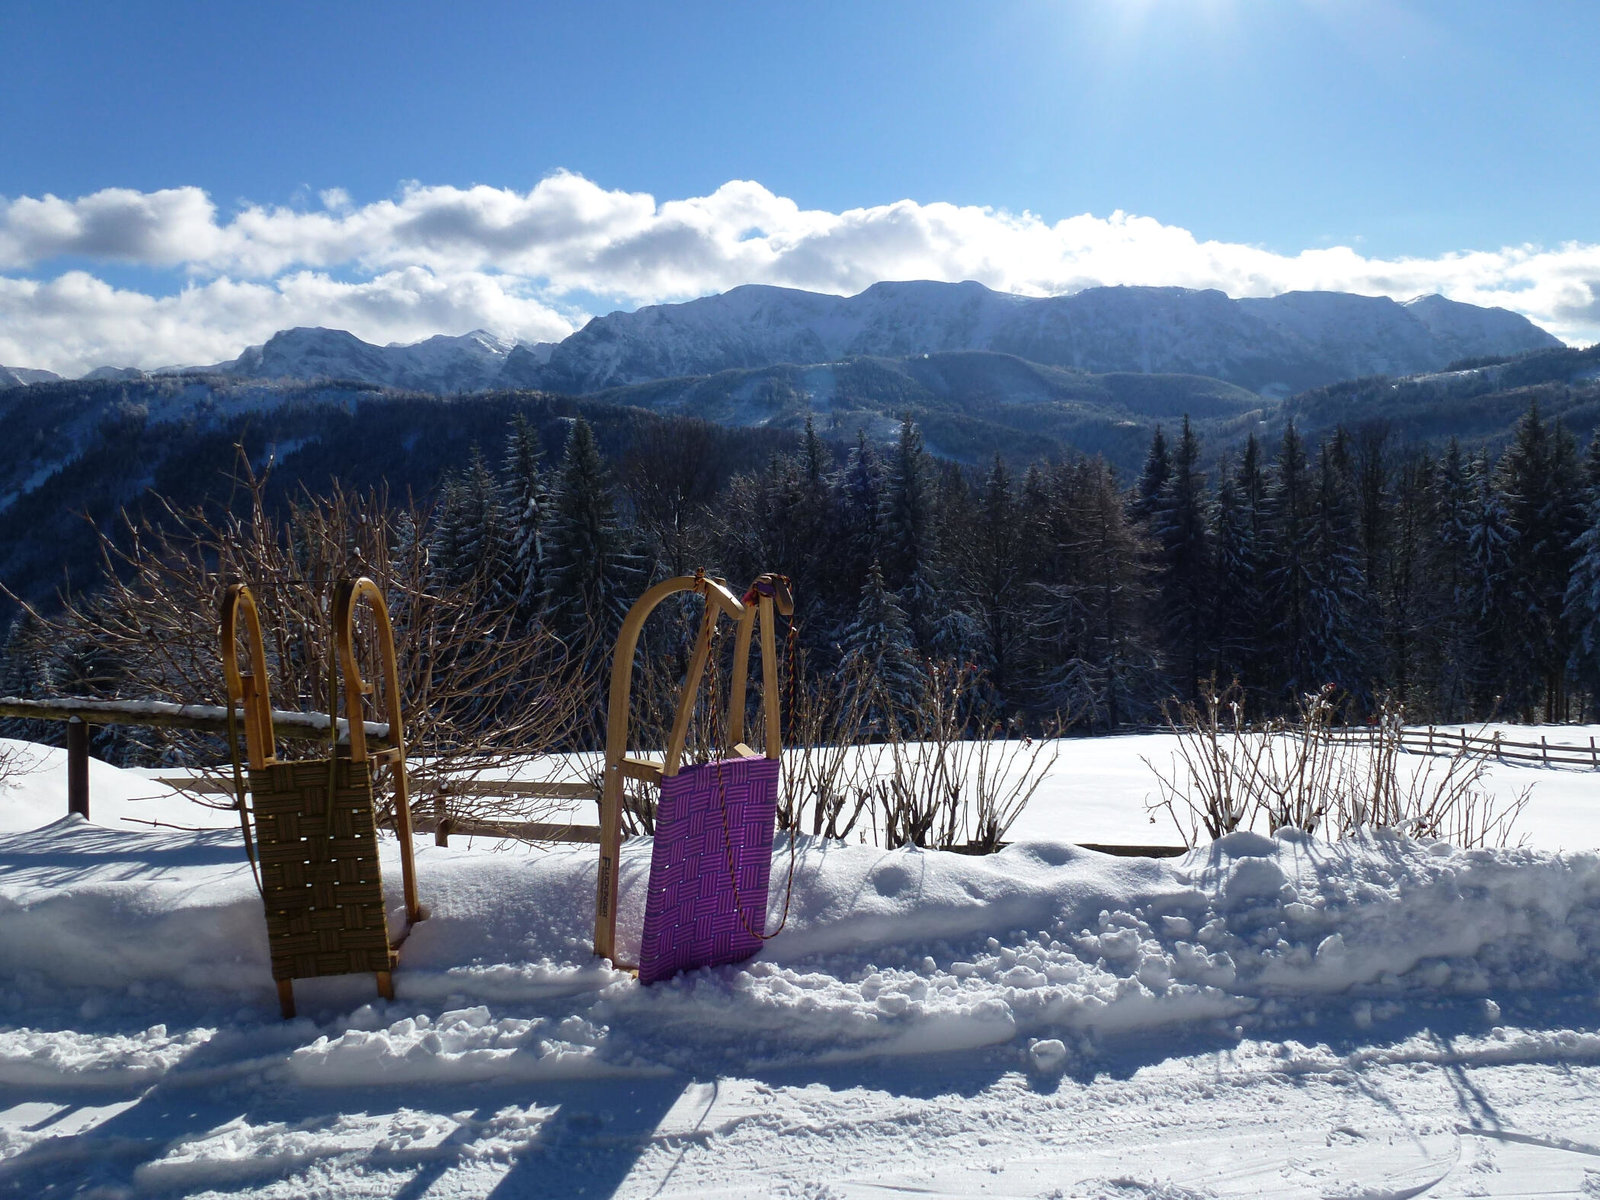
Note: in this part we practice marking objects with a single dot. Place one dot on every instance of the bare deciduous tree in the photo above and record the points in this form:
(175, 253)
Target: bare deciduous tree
(478, 686)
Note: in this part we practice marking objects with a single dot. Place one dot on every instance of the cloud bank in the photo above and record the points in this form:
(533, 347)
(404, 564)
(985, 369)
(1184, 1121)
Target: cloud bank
(535, 265)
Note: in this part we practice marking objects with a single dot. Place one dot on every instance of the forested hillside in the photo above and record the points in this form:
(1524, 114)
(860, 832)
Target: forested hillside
(77, 453)
(1342, 548)
(970, 405)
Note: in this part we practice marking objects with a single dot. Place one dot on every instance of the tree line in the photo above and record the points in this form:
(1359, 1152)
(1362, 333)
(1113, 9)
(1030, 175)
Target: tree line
(1458, 583)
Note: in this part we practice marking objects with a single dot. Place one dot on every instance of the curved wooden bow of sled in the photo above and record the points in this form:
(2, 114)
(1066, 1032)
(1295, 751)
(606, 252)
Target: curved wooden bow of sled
(768, 594)
(247, 690)
(348, 595)
(314, 818)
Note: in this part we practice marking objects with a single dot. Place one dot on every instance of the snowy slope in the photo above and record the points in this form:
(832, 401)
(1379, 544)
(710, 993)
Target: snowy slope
(468, 363)
(1263, 1017)
(20, 376)
(1290, 342)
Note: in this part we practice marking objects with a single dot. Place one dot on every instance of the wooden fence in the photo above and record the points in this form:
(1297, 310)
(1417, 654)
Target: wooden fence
(441, 825)
(1433, 740)
(79, 715)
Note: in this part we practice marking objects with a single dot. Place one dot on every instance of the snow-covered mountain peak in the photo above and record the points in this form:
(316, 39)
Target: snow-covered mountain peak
(1277, 344)
(1273, 344)
(18, 376)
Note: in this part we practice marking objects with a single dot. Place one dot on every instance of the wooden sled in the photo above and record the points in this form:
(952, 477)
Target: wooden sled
(769, 594)
(315, 824)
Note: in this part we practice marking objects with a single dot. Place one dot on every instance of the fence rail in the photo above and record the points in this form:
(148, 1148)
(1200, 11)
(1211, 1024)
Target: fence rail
(1433, 740)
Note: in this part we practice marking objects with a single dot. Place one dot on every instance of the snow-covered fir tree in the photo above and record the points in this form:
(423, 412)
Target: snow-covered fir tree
(589, 575)
(1334, 628)
(1147, 491)
(1292, 668)
(527, 500)
(1488, 593)
(907, 534)
(472, 538)
(1541, 478)
(1582, 601)
(1180, 531)
(1238, 613)
(878, 657)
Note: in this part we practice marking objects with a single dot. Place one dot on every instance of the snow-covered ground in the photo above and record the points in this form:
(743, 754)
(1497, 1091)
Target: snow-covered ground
(1261, 1017)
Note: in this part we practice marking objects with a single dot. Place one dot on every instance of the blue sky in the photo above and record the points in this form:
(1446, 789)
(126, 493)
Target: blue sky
(220, 169)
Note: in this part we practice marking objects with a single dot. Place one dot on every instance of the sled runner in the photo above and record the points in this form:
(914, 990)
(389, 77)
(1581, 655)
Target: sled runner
(706, 901)
(315, 826)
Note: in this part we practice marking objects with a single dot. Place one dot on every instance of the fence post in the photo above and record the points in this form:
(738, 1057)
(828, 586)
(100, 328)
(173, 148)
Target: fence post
(441, 823)
(1430, 739)
(78, 767)
(1594, 758)
(1544, 750)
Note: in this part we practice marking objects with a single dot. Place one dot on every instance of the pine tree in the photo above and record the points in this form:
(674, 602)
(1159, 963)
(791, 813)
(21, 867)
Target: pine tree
(1488, 588)
(1289, 503)
(816, 458)
(1184, 579)
(473, 537)
(1447, 606)
(877, 655)
(1334, 629)
(1147, 492)
(1238, 614)
(853, 528)
(907, 538)
(528, 505)
(1582, 601)
(1093, 659)
(994, 575)
(447, 558)
(1406, 598)
(1542, 481)
(1113, 596)
(589, 575)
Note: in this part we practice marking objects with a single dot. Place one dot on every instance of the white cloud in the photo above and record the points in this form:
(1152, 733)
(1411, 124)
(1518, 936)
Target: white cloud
(446, 259)
(74, 322)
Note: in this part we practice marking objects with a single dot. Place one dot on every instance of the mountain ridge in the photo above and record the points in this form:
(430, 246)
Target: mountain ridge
(1276, 346)
(1271, 345)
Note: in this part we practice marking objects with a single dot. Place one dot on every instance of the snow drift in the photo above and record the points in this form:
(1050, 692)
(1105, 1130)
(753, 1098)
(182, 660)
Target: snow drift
(885, 953)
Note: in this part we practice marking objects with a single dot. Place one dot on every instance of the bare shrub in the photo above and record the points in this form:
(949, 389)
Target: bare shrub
(16, 758)
(959, 776)
(1444, 799)
(1318, 775)
(946, 774)
(827, 763)
(476, 684)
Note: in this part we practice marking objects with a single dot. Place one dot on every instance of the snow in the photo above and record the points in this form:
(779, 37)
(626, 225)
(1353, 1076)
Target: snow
(1100, 789)
(1300, 338)
(1264, 1016)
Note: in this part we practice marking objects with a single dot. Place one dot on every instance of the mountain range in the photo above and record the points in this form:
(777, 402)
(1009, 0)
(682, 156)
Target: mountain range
(1272, 346)
(89, 448)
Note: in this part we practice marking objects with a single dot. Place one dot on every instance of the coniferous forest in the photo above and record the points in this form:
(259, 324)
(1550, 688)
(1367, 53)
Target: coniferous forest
(1459, 583)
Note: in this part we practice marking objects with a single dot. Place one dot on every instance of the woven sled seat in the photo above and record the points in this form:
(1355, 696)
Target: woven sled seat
(709, 866)
(319, 870)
